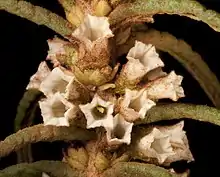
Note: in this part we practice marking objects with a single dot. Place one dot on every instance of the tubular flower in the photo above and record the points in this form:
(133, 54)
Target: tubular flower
(56, 81)
(98, 113)
(92, 29)
(167, 144)
(146, 55)
(56, 110)
(135, 104)
(142, 59)
(120, 132)
(95, 52)
(166, 87)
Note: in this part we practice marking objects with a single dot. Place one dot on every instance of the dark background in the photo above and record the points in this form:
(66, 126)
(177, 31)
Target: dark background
(24, 46)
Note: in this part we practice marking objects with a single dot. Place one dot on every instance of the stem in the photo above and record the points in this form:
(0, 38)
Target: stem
(148, 8)
(37, 15)
(131, 169)
(52, 168)
(178, 111)
(40, 132)
(183, 53)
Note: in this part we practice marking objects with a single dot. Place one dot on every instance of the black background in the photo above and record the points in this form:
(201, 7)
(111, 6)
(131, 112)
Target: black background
(23, 47)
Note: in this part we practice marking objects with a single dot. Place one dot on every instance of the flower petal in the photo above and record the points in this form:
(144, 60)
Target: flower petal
(155, 74)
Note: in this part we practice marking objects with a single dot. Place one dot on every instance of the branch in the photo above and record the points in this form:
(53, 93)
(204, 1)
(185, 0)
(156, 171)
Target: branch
(52, 168)
(141, 9)
(182, 52)
(39, 133)
(130, 169)
(37, 15)
(178, 111)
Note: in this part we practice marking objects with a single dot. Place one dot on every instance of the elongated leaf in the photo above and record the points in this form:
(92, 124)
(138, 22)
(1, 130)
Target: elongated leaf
(39, 133)
(37, 15)
(140, 9)
(178, 111)
(52, 168)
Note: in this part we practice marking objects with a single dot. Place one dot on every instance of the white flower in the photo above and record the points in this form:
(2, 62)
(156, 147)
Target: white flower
(135, 104)
(98, 113)
(167, 144)
(56, 81)
(175, 132)
(93, 28)
(142, 58)
(156, 145)
(120, 132)
(56, 48)
(146, 56)
(42, 72)
(133, 70)
(56, 110)
(166, 87)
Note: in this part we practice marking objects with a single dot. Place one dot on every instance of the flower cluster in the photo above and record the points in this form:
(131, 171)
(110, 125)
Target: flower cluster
(84, 79)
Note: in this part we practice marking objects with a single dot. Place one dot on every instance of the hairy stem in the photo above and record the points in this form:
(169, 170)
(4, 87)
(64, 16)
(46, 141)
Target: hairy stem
(52, 168)
(40, 132)
(181, 51)
(141, 9)
(37, 15)
(178, 111)
(130, 169)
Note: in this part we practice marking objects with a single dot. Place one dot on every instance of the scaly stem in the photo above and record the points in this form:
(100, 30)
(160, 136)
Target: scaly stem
(178, 111)
(183, 53)
(37, 15)
(40, 132)
(52, 168)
